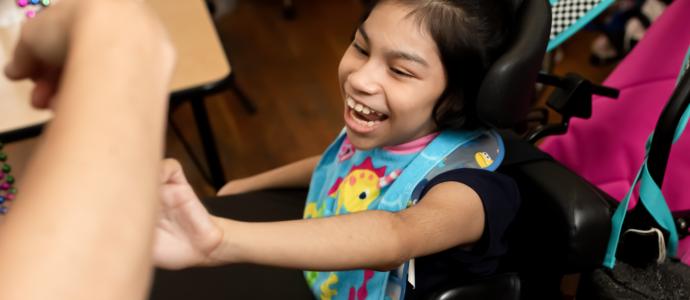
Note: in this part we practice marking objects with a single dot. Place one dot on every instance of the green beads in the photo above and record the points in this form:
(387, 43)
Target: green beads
(7, 191)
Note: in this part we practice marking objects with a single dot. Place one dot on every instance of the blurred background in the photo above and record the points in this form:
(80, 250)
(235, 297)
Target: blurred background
(285, 61)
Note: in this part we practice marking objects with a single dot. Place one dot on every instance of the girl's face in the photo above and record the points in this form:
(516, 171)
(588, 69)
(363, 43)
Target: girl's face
(390, 77)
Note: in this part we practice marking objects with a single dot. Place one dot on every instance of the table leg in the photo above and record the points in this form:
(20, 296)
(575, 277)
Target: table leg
(246, 102)
(208, 142)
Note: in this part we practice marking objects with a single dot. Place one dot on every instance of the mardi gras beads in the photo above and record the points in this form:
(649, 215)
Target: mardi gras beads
(7, 190)
(32, 6)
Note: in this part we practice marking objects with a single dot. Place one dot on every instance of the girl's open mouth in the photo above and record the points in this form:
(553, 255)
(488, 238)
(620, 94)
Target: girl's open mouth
(363, 116)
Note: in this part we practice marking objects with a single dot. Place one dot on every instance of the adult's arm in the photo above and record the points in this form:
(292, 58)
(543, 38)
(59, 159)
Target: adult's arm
(82, 225)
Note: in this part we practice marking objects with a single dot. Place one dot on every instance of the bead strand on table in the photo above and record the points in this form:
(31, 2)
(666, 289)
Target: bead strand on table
(7, 190)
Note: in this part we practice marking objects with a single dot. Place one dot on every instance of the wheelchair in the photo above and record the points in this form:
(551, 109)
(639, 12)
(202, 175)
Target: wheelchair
(562, 227)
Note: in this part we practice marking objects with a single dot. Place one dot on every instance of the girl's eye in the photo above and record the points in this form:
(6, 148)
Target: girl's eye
(400, 72)
(360, 49)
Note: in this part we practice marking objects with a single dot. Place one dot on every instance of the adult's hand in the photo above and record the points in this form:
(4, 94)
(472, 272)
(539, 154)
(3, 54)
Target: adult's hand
(42, 49)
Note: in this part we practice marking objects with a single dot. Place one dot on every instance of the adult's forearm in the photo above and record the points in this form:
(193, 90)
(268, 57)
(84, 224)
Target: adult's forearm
(82, 225)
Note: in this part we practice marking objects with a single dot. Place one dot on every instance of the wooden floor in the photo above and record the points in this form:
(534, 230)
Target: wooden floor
(288, 68)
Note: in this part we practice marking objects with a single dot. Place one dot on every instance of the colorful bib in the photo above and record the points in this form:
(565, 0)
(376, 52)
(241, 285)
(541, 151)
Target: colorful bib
(348, 180)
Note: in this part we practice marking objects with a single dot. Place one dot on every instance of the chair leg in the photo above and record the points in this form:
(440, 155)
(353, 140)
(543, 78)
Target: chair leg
(209, 143)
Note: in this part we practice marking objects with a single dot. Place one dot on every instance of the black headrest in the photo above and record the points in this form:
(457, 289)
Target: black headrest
(514, 5)
(505, 94)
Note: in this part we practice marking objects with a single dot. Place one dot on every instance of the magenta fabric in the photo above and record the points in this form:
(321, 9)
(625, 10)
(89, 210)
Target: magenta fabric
(609, 148)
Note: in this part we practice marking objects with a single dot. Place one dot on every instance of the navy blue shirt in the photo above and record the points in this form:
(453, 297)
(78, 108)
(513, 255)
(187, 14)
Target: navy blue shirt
(500, 197)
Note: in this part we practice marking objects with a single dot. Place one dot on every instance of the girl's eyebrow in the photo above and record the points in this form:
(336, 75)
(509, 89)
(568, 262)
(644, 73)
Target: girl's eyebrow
(407, 56)
(397, 54)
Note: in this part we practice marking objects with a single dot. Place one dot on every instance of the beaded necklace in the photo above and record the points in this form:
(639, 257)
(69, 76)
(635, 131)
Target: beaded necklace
(7, 190)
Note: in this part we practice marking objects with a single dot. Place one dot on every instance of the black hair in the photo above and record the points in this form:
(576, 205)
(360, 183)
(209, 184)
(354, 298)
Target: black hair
(470, 35)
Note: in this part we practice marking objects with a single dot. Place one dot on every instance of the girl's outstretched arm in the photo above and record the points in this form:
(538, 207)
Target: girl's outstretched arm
(82, 225)
(450, 214)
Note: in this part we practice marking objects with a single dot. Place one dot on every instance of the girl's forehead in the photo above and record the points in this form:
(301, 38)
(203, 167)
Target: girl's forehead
(396, 15)
(394, 25)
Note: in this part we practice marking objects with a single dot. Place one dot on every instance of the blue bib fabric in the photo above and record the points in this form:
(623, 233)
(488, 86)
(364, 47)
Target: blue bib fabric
(348, 180)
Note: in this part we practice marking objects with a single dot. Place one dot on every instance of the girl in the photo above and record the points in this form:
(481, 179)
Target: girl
(408, 80)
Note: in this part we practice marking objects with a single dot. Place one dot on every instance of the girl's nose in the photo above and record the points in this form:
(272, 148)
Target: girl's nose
(363, 81)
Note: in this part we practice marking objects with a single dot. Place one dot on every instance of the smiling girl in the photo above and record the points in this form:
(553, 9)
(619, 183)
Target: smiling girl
(409, 81)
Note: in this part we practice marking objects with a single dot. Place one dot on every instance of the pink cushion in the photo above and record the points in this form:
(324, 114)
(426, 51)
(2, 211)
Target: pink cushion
(608, 149)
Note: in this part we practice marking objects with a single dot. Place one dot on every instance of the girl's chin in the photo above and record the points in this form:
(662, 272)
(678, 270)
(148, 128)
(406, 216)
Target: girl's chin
(361, 142)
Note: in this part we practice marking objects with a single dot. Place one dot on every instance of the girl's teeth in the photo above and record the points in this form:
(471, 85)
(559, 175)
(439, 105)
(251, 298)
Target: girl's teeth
(370, 123)
(358, 107)
(350, 102)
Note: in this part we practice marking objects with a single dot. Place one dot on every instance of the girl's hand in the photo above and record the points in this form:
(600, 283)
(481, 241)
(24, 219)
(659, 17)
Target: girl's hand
(186, 234)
